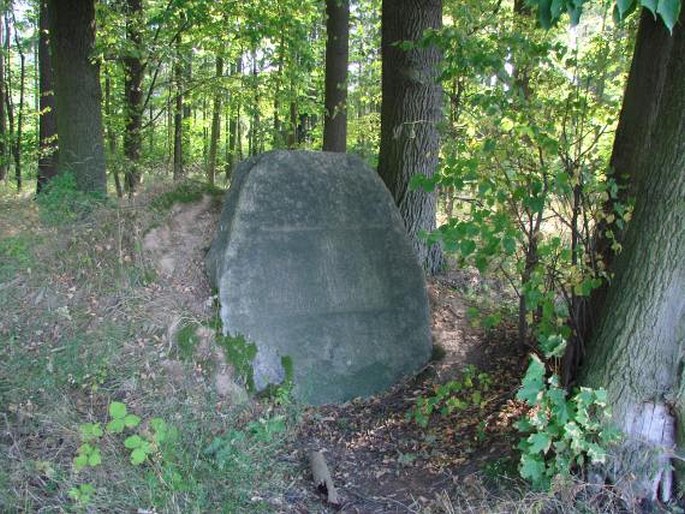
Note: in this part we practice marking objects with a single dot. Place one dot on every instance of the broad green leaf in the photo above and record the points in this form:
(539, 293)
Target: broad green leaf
(624, 6)
(532, 467)
(533, 382)
(467, 247)
(80, 462)
(95, 458)
(132, 442)
(91, 431)
(131, 421)
(138, 456)
(506, 124)
(539, 442)
(651, 5)
(669, 10)
(509, 245)
(117, 410)
(116, 426)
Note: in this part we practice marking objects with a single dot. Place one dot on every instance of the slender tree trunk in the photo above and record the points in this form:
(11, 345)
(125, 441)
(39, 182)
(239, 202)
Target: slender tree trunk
(133, 79)
(78, 95)
(47, 144)
(636, 352)
(9, 87)
(16, 144)
(410, 114)
(3, 115)
(178, 115)
(216, 123)
(337, 56)
(111, 135)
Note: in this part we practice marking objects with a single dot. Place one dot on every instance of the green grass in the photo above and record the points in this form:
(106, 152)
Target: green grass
(188, 191)
(76, 333)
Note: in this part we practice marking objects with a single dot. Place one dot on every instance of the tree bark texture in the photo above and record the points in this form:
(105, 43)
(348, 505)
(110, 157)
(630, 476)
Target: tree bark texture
(77, 93)
(637, 350)
(410, 113)
(47, 144)
(133, 79)
(337, 57)
(633, 133)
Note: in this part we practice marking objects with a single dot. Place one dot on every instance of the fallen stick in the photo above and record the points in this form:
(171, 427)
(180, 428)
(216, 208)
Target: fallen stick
(322, 477)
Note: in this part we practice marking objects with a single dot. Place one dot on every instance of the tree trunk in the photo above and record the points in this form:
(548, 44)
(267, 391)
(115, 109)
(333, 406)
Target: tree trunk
(216, 123)
(77, 93)
(410, 112)
(337, 56)
(636, 353)
(133, 79)
(178, 115)
(16, 144)
(3, 125)
(636, 122)
(47, 144)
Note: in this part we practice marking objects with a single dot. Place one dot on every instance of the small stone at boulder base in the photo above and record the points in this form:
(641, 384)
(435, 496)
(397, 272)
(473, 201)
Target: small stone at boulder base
(313, 266)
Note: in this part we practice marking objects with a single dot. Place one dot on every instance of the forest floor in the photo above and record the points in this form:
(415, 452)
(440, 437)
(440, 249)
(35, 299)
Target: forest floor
(113, 305)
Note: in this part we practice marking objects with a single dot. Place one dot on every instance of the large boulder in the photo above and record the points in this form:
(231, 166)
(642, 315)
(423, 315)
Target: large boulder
(313, 266)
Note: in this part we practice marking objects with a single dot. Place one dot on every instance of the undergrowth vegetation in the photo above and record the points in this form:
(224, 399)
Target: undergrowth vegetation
(90, 418)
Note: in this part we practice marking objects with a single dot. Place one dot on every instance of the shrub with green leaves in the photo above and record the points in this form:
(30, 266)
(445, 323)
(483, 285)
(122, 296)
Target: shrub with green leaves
(561, 431)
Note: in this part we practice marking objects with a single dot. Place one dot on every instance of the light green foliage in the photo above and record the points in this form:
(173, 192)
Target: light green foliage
(141, 445)
(456, 395)
(561, 431)
(188, 191)
(120, 418)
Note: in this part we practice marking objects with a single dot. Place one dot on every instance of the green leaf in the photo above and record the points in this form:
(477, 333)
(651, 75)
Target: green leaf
(95, 458)
(533, 382)
(117, 410)
(532, 468)
(467, 247)
(539, 442)
(132, 442)
(131, 421)
(651, 5)
(138, 456)
(90, 431)
(624, 6)
(80, 462)
(669, 10)
(506, 124)
(116, 426)
(509, 245)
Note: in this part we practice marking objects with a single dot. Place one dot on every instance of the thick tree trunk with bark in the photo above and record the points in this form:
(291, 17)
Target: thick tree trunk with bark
(636, 352)
(133, 79)
(16, 143)
(337, 57)
(47, 144)
(77, 93)
(635, 125)
(410, 113)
